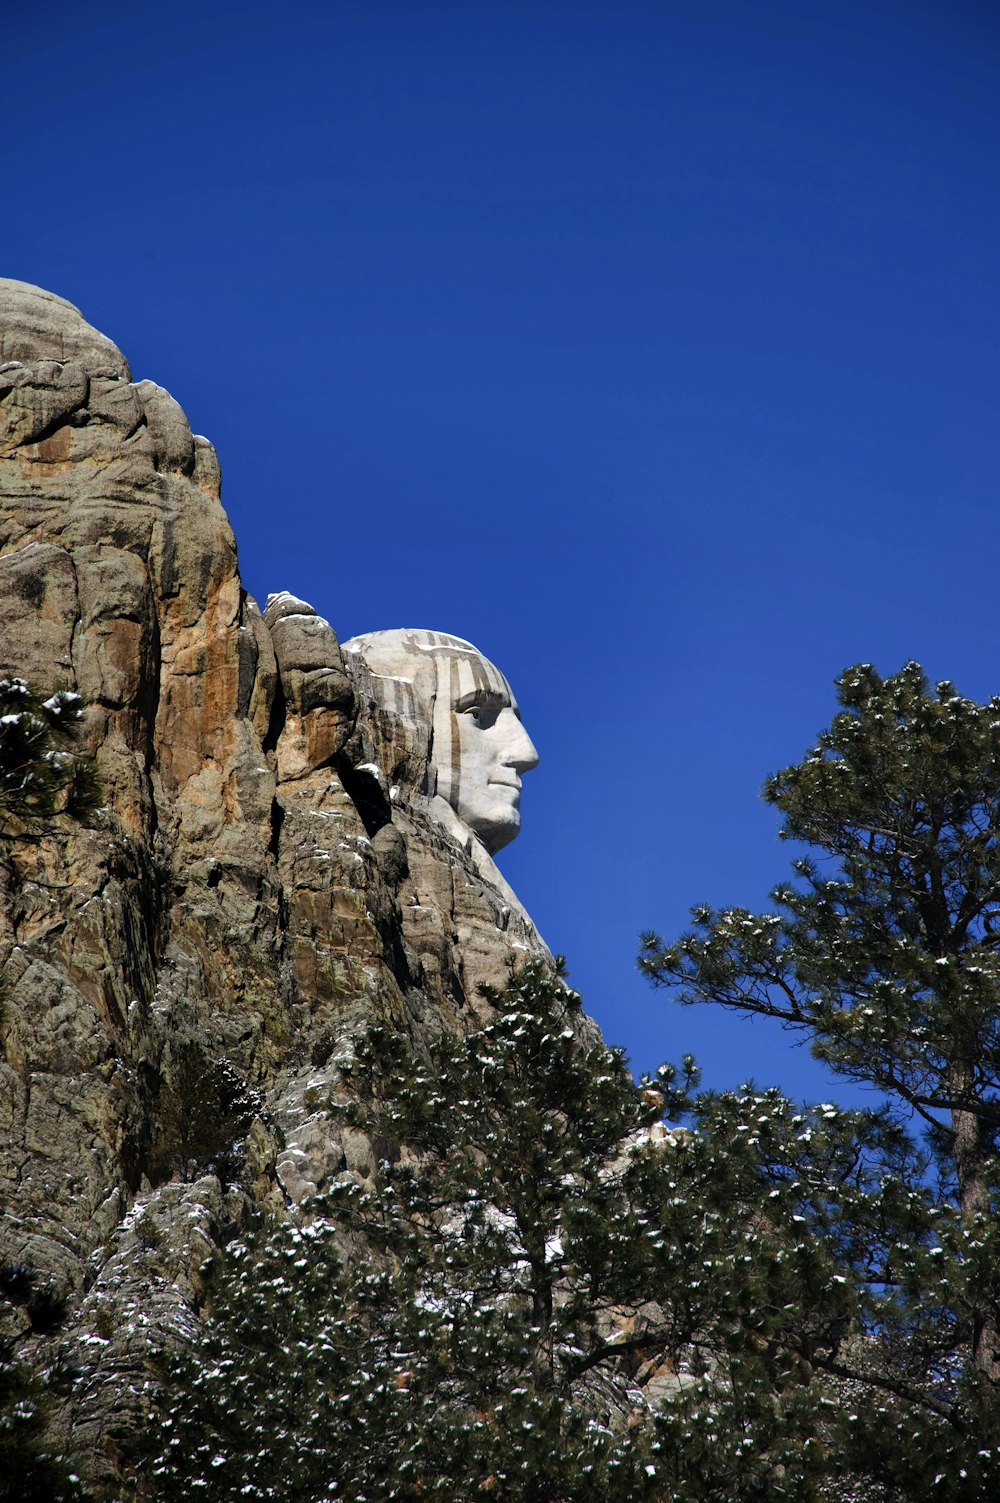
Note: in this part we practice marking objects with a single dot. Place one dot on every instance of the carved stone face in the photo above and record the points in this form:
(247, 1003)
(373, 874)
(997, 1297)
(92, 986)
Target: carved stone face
(489, 751)
(477, 746)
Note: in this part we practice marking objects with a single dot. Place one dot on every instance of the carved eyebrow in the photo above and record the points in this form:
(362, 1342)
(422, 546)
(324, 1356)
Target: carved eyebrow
(491, 697)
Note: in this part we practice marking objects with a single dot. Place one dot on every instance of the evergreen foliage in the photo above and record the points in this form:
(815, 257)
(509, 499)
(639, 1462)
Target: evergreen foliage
(201, 1117)
(557, 1285)
(548, 1296)
(32, 1373)
(884, 952)
(40, 775)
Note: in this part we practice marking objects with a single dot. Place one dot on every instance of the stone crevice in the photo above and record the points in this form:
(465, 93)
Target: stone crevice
(267, 876)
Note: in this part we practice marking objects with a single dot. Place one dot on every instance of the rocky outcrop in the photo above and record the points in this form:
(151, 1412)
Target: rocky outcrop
(177, 979)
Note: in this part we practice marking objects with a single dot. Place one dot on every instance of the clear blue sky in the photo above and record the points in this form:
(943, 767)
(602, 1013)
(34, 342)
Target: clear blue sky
(651, 346)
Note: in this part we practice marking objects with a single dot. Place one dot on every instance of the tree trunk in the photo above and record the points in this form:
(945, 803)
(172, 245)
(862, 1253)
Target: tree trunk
(973, 1201)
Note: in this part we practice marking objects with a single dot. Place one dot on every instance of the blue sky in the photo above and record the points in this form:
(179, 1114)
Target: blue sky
(651, 346)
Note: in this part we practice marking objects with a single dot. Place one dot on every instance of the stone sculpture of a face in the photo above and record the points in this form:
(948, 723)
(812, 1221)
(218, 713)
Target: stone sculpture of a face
(477, 746)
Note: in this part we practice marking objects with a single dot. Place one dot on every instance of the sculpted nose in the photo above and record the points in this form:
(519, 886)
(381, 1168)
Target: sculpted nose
(520, 751)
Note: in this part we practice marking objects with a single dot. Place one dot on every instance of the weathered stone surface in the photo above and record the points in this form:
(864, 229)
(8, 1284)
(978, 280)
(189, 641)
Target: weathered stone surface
(319, 701)
(275, 865)
(38, 397)
(37, 325)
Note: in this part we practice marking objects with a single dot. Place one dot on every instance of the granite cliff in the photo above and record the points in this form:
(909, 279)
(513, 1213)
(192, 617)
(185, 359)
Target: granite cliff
(271, 868)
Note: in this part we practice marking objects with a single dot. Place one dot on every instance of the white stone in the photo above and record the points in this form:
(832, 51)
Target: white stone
(476, 747)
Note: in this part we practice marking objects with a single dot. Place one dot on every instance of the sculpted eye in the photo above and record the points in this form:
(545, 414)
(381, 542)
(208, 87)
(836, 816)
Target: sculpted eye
(483, 714)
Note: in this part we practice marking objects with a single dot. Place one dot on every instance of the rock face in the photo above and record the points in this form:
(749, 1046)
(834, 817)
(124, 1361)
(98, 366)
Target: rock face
(286, 854)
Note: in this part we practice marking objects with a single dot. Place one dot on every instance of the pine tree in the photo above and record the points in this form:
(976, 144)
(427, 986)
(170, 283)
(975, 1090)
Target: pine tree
(884, 952)
(550, 1296)
(440, 1358)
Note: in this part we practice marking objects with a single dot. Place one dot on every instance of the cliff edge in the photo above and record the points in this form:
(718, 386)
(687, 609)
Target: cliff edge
(269, 871)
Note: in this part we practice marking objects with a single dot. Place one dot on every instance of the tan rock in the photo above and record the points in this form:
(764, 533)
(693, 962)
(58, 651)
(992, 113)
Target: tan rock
(178, 980)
